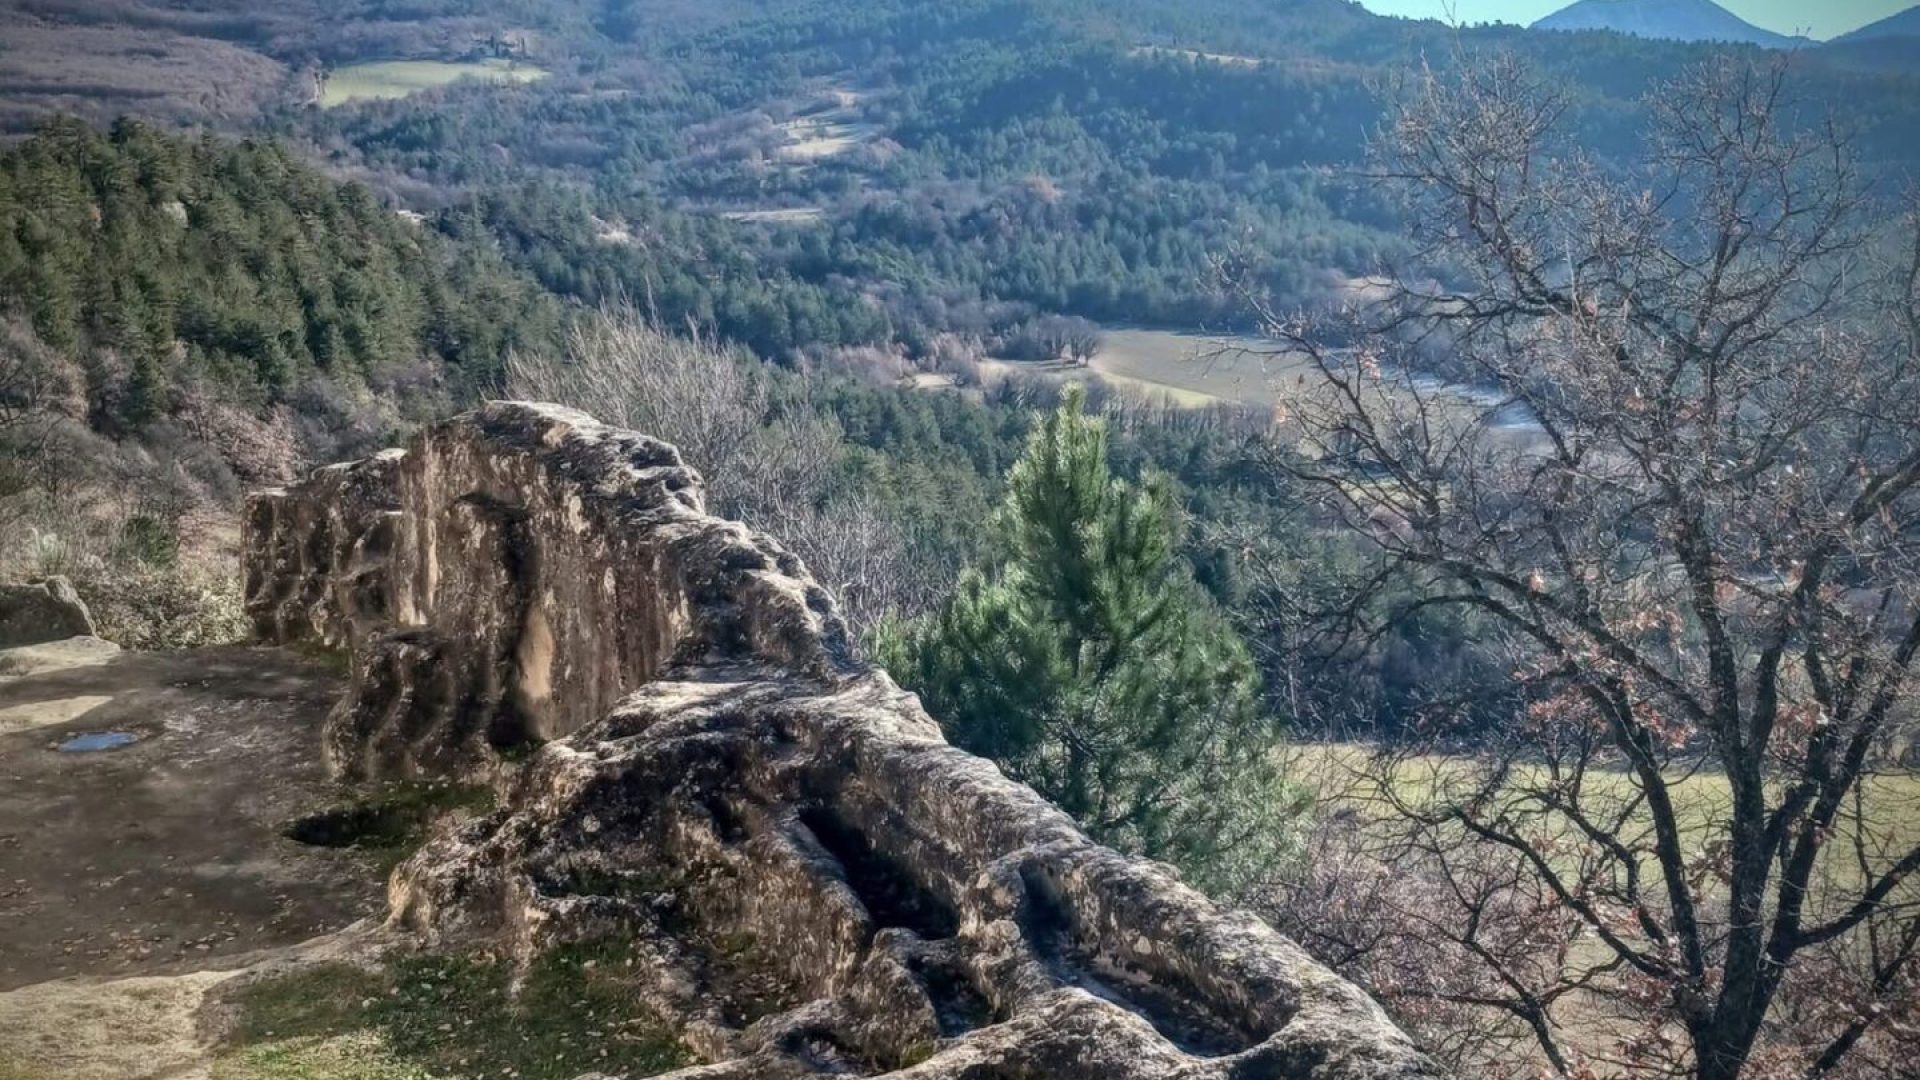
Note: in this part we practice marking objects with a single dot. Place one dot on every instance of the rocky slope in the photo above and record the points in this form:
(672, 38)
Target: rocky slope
(812, 880)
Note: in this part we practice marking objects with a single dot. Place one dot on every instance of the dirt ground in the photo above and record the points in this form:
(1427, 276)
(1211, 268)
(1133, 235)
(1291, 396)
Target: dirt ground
(165, 856)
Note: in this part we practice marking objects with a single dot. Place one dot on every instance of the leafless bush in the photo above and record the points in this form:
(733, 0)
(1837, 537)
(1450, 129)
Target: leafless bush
(1053, 337)
(1359, 901)
(957, 356)
(868, 363)
(770, 464)
(38, 391)
(143, 541)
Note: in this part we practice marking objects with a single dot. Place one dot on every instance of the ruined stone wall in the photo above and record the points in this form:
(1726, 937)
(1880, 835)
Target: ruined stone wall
(812, 879)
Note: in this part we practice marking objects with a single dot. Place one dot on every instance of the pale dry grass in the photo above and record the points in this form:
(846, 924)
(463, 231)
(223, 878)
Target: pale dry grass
(1347, 776)
(386, 79)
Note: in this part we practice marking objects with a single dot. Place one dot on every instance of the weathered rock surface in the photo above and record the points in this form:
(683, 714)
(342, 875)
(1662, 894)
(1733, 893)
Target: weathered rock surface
(509, 578)
(165, 853)
(23, 661)
(41, 611)
(812, 879)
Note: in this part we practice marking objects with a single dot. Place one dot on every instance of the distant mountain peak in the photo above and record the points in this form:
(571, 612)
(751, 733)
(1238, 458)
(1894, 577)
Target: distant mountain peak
(1904, 24)
(1671, 20)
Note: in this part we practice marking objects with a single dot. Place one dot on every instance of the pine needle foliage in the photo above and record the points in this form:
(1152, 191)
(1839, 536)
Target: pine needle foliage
(1088, 664)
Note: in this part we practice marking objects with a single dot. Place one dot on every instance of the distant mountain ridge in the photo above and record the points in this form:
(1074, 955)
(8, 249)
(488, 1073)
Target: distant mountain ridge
(1671, 20)
(1904, 24)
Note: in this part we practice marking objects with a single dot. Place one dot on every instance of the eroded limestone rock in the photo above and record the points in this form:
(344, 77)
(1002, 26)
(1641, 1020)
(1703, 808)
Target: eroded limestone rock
(566, 562)
(812, 879)
(36, 612)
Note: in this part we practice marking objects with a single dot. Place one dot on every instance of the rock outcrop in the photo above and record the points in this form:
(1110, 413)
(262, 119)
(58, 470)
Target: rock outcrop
(41, 611)
(811, 879)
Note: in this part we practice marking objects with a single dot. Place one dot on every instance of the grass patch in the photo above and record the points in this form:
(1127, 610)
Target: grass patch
(383, 79)
(344, 1057)
(1703, 799)
(433, 1015)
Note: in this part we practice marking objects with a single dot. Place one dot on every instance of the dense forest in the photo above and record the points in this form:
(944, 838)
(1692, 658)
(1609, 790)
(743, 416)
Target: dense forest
(236, 264)
(1045, 155)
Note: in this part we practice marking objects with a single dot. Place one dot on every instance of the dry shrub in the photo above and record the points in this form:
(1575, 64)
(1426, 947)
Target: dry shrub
(132, 524)
(137, 606)
(771, 465)
(258, 451)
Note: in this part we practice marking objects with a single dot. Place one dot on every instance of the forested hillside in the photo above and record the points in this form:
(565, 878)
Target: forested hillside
(186, 317)
(237, 265)
(1077, 158)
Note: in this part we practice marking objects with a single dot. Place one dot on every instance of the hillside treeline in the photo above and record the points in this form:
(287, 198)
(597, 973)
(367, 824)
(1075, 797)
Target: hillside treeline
(157, 261)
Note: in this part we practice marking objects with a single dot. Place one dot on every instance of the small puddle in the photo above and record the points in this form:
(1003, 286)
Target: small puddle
(97, 740)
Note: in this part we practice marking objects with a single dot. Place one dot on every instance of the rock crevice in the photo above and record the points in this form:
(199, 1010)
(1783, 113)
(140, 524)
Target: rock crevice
(812, 880)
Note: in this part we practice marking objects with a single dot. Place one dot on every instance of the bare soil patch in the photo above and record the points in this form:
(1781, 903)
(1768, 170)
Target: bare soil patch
(167, 854)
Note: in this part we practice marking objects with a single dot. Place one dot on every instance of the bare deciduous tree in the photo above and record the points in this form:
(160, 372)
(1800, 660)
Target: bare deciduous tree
(1082, 343)
(1054, 338)
(704, 398)
(1693, 523)
(775, 471)
(32, 393)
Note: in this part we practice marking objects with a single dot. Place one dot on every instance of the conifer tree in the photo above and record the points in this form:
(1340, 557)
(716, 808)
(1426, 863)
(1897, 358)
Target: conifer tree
(1087, 663)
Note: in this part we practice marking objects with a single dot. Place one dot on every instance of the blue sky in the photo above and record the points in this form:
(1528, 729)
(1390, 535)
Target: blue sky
(1820, 20)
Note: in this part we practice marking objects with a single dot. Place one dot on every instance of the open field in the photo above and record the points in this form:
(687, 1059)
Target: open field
(812, 138)
(1145, 389)
(400, 78)
(792, 215)
(1194, 369)
(1242, 368)
(1186, 370)
(1194, 54)
(830, 128)
(1338, 773)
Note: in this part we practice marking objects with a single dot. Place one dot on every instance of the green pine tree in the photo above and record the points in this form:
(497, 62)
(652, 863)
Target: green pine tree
(1089, 665)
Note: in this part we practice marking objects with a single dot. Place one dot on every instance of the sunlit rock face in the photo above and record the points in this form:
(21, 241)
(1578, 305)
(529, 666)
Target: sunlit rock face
(812, 880)
(509, 577)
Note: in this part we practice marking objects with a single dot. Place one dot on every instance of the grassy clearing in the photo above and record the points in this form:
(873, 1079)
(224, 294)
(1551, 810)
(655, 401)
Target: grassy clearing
(1229, 59)
(1188, 370)
(1195, 370)
(1192, 369)
(1143, 389)
(436, 1016)
(1161, 392)
(1702, 797)
(400, 78)
(793, 215)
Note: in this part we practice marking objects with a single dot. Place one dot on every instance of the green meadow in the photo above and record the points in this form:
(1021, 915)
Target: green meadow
(400, 78)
